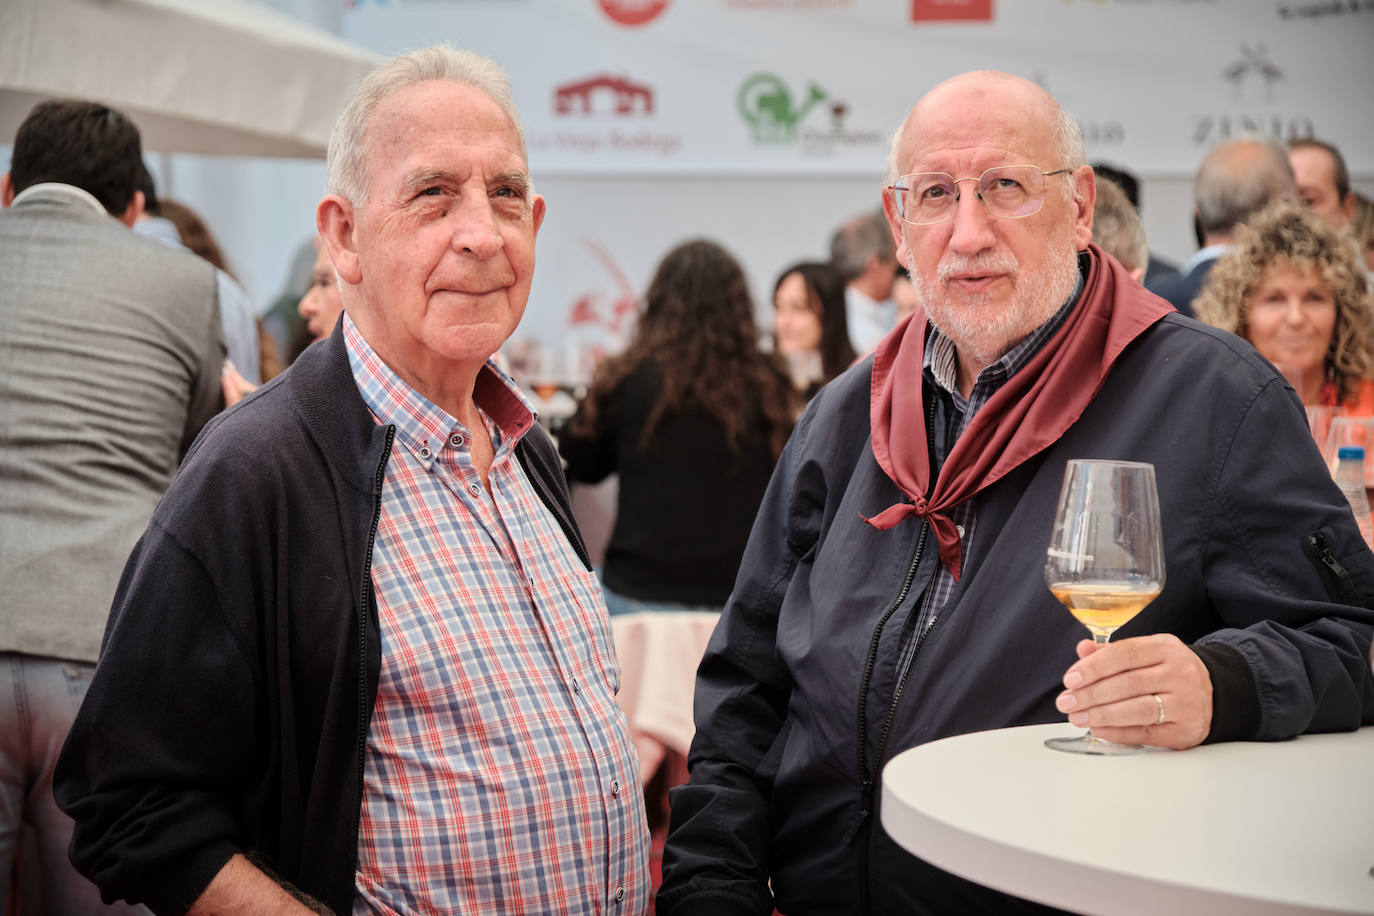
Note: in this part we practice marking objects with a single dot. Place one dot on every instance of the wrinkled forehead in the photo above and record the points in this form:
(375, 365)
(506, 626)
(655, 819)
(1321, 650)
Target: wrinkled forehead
(984, 122)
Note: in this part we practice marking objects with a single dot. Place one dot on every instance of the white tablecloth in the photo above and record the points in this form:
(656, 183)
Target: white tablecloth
(659, 653)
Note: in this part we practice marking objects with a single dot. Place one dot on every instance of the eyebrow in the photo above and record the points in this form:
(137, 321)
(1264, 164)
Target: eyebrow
(417, 181)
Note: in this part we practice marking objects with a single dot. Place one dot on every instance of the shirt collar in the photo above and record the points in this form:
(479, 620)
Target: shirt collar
(1210, 253)
(66, 190)
(421, 425)
(942, 359)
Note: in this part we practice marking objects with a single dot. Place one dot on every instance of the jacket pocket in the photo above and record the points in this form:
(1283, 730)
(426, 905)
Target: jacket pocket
(1339, 585)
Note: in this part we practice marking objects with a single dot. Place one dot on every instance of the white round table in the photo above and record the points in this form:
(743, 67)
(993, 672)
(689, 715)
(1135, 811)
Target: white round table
(1237, 828)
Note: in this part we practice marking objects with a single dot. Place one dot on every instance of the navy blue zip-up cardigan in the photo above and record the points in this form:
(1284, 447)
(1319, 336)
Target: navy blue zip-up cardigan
(240, 663)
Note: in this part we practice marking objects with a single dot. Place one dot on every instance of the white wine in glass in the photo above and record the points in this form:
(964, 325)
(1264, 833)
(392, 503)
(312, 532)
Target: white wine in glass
(1106, 558)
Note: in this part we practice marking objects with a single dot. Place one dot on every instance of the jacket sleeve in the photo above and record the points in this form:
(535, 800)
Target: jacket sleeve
(1294, 580)
(150, 766)
(716, 859)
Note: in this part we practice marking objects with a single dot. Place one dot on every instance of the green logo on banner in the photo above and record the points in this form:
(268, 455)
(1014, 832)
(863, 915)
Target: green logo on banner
(766, 105)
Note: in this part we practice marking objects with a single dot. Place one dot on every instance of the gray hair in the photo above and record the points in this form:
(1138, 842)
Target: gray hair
(1238, 179)
(859, 239)
(1117, 228)
(346, 159)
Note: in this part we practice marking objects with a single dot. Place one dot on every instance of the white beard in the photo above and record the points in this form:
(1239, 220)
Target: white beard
(980, 330)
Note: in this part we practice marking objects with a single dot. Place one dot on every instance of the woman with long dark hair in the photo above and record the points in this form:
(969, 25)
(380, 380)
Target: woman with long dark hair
(810, 329)
(692, 415)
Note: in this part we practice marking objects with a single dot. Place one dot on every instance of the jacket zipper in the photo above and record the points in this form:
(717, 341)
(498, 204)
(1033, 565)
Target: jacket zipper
(365, 588)
(1337, 577)
(867, 787)
(865, 778)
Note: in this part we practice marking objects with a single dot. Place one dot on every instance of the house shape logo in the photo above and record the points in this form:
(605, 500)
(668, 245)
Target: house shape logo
(626, 96)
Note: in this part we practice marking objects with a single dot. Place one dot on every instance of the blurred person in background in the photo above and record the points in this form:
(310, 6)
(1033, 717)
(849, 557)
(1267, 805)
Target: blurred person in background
(1235, 181)
(692, 416)
(110, 366)
(1323, 180)
(1118, 231)
(810, 331)
(238, 315)
(1156, 268)
(322, 303)
(1294, 287)
(905, 295)
(196, 235)
(862, 251)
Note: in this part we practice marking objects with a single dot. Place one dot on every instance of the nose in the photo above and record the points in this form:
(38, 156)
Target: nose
(306, 307)
(971, 230)
(475, 230)
(1293, 313)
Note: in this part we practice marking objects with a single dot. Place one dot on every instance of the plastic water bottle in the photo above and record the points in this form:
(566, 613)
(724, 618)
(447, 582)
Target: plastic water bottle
(1350, 478)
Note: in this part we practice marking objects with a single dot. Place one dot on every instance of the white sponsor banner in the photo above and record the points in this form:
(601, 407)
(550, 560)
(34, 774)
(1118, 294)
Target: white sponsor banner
(763, 124)
(818, 85)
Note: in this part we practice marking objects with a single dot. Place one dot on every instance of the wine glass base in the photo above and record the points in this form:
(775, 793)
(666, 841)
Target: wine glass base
(1087, 743)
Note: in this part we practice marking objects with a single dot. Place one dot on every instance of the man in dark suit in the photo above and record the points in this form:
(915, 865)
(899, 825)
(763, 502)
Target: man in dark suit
(1236, 180)
(109, 367)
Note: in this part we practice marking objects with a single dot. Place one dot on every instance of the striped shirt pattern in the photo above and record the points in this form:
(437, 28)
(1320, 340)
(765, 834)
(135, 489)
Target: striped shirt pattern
(500, 776)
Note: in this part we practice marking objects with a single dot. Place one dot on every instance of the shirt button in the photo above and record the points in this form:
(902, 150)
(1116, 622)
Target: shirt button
(619, 894)
(425, 453)
(615, 787)
(960, 529)
(577, 688)
(475, 490)
(456, 441)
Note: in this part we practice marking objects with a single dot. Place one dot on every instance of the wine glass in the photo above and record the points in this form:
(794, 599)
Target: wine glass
(1106, 558)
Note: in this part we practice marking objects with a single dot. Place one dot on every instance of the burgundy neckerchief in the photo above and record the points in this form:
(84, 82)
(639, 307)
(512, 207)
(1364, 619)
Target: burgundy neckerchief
(1026, 415)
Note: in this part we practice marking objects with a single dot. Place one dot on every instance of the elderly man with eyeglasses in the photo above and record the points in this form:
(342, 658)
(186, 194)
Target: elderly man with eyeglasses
(893, 589)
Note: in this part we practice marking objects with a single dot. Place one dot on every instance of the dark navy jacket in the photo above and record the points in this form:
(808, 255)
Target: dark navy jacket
(1267, 577)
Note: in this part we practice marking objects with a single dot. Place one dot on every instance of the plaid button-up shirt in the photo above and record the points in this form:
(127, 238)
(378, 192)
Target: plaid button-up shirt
(500, 776)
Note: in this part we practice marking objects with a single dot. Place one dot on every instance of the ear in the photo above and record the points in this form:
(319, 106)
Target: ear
(6, 190)
(894, 223)
(336, 223)
(1086, 183)
(1349, 205)
(538, 213)
(1138, 275)
(134, 210)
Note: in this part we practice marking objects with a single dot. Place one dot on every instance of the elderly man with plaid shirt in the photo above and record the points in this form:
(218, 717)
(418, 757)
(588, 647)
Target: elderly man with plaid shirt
(358, 663)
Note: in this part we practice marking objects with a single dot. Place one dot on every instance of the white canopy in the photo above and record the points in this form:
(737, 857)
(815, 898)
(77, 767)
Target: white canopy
(228, 77)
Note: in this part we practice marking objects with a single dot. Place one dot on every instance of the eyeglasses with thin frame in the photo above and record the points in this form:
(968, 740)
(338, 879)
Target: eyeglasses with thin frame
(1007, 191)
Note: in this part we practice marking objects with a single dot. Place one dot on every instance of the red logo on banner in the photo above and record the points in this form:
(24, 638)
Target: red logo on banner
(619, 95)
(951, 10)
(633, 12)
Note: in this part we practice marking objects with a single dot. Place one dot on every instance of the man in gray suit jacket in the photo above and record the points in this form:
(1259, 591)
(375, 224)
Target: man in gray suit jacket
(110, 359)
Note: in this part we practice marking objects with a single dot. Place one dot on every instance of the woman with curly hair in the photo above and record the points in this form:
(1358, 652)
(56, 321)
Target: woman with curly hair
(692, 415)
(810, 330)
(1296, 289)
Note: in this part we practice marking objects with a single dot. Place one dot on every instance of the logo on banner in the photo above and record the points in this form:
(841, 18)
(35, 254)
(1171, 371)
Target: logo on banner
(1255, 80)
(1253, 67)
(777, 118)
(633, 12)
(1323, 9)
(603, 94)
(951, 10)
(597, 98)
